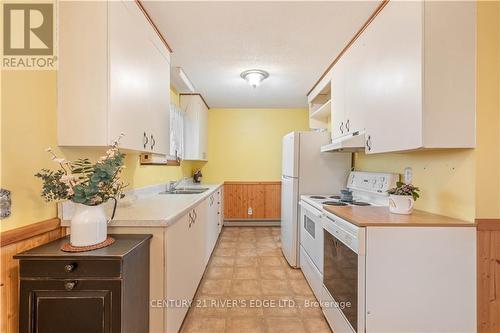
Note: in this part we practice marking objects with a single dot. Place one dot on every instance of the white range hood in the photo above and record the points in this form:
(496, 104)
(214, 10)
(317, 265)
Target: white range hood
(351, 142)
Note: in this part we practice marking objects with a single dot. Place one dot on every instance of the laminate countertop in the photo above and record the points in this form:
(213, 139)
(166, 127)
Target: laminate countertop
(381, 217)
(146, 207)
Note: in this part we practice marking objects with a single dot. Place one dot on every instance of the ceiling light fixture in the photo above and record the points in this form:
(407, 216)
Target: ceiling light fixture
(254, 77)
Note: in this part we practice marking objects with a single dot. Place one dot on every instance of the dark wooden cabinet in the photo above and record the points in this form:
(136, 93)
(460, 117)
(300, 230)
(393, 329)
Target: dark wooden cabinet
(105, 290)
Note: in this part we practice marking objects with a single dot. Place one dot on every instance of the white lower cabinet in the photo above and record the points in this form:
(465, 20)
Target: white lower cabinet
(212, 225)
(185, 265)
(179, 256)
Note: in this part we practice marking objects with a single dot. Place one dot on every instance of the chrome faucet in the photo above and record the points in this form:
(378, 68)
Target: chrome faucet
(172, 185)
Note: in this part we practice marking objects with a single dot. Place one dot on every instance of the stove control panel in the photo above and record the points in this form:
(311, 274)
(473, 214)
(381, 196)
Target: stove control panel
(375, 182)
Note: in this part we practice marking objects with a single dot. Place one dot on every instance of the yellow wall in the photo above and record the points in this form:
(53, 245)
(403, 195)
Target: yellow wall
(446, 178)
(245, 144)
(488, 114)
(462, 183)
(28, 126)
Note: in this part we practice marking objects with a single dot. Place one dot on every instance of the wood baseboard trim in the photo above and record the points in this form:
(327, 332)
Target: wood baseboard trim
(252, 223)
(28, 231)
(265, 182)
(488, 224)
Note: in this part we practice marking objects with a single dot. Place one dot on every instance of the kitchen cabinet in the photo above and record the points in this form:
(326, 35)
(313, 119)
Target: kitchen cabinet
(106, 290)
(179, 255)
(421, 77)
(213, 224)
(408, 81)
(196, 127)
(113, 77)
(185, 246)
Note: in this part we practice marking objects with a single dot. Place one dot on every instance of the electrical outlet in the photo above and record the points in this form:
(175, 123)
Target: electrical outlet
(408, 175)
(250, 211)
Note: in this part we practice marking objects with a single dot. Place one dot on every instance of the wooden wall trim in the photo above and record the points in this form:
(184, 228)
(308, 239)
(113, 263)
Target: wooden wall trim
(148, 17)
(28, 231)
(379, 8)
(488, 224)
(265, 182)
(195, 94)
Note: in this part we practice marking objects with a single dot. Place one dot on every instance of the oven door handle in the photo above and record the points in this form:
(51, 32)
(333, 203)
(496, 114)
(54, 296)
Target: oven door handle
(311, 210)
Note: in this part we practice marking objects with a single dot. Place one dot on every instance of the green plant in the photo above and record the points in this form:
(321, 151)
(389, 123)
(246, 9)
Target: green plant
(405, 189)
(82, 181)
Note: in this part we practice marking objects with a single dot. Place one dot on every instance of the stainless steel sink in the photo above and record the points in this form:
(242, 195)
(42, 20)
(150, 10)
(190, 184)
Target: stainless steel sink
(186, 191)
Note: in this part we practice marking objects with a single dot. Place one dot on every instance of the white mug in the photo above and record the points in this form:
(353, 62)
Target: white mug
(401, 204)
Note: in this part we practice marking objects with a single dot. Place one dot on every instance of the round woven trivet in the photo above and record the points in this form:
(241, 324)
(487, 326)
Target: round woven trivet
(67, 247)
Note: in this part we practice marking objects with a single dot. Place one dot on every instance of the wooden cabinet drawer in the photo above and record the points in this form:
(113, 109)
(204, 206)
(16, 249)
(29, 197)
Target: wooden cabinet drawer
(70, 269)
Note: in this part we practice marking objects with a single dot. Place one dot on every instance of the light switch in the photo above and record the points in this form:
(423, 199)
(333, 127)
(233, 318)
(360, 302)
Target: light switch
(408, 175)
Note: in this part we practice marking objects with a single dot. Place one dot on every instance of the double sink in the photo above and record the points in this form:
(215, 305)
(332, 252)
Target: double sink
(186, 190)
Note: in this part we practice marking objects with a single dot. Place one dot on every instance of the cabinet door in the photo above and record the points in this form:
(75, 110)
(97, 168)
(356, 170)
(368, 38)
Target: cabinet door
(220, 209)
(201, 228)
(191, 127)
(338, 99)
(50, 306)
(203, 128)
(182, 269)
(356, 86)
(159, 102)
(212, 226)
(394, 116)
(129, 84)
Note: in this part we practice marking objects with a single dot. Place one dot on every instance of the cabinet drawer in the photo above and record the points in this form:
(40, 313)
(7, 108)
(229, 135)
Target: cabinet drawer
(69, 269)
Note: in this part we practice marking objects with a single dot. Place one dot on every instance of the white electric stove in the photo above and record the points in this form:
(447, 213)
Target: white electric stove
(317, 228)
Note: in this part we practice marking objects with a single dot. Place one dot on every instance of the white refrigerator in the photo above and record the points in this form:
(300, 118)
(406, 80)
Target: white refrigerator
(305, 170)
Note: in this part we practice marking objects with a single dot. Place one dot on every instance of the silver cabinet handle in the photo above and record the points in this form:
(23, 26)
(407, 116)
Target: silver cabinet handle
(195, 215)
(342, 127)
(347, 125)
(153, 142)
(369, 143)
(70, 285)
(145, 140)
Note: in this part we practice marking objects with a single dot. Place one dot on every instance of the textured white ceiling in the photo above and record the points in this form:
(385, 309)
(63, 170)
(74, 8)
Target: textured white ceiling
(294, 41)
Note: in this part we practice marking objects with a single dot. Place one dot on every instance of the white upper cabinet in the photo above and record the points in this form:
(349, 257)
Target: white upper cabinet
(114, 77)
(196, 127)
(408, 81)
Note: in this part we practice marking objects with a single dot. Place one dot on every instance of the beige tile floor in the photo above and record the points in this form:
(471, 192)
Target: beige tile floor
(249, 287)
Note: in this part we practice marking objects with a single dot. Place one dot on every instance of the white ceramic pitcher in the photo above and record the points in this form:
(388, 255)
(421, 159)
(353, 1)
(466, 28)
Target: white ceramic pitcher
(89, 225)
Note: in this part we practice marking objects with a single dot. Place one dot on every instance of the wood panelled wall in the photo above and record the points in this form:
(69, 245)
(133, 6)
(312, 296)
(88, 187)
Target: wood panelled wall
(488, 275)
(264, 198)
(12, 242)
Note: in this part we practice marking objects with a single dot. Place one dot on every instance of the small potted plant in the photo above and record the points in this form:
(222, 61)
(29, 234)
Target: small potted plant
(89, 185)
(402, 198)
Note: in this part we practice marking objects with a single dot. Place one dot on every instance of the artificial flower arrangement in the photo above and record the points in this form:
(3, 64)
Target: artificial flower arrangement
(88, 185)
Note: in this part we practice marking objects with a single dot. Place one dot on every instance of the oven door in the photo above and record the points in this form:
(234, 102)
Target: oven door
(311, 233)
(341, 274)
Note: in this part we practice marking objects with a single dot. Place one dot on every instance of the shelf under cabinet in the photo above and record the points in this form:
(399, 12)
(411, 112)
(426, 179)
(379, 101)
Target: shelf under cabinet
(323, 112)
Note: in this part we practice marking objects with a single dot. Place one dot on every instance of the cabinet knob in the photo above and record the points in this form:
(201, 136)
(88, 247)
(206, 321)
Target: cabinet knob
(145, 140)
(69, 268)
(70, 285)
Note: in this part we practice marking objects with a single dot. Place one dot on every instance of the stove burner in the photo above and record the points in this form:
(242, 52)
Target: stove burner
(317, 197)
(360, 203)
(335, 197)
(334, 203)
